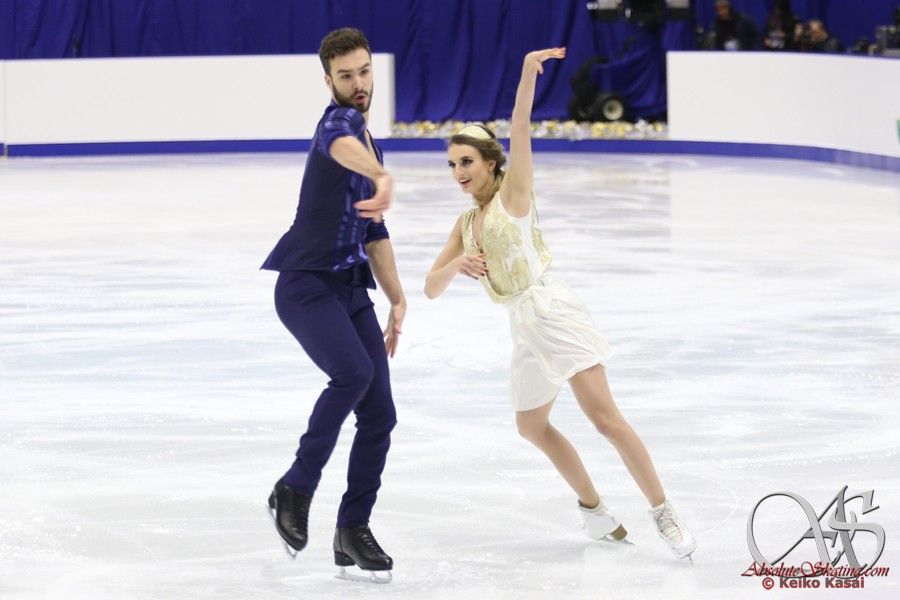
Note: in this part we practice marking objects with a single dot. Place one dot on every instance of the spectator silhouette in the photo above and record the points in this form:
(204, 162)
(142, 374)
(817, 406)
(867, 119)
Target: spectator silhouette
(732, 30)
(819, 40)
(780, 26)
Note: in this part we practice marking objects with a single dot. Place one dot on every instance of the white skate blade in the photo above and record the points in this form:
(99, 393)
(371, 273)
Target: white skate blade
(687, 556)
(685, 552)
(622, 542)
(292, 554)
(357, 574)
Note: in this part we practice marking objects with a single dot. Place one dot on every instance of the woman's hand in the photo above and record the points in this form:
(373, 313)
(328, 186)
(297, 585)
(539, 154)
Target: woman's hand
(534, 60)
(472, 266)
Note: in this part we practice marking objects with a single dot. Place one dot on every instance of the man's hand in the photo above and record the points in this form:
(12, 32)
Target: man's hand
(373, 207)
(392, 331)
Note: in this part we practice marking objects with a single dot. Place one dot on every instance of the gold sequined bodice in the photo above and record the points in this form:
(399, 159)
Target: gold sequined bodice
(506, 253)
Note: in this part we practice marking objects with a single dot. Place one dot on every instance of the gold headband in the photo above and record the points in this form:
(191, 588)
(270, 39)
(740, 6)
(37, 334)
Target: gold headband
(475, 131)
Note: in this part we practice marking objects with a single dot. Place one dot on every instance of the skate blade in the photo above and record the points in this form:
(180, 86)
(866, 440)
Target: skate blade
(365, 576)
(618, 536)
(292, 554)
(622, 542)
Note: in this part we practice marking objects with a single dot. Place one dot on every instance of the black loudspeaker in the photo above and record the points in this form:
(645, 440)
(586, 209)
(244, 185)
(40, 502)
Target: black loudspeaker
(605, 106)
(590, 104)
(581, 83)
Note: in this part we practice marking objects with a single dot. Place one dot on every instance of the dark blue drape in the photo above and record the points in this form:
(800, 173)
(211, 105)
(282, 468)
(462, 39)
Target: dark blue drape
(639, 76)
(454, 59)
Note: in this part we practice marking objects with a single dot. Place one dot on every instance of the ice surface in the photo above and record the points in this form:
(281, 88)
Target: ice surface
(149, 396)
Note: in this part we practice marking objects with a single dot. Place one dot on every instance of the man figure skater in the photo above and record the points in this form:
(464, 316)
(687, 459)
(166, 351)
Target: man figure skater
(327, 260)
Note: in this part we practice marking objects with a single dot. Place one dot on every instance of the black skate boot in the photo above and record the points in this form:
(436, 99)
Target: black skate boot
(357, 546)
(290, 512)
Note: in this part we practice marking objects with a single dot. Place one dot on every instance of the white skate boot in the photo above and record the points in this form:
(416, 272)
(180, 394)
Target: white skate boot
(672, 531)
(599, 524)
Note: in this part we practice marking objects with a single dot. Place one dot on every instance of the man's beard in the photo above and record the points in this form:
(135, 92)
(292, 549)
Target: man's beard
(349, 102)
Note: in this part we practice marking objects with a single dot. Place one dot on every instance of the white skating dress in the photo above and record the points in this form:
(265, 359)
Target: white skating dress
(553, 334)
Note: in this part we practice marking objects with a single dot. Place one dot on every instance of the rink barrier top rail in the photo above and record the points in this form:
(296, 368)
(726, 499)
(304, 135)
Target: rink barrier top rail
(750, 150)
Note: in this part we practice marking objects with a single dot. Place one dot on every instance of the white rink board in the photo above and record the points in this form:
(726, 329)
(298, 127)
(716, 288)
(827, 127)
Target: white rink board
(825, 101)
(177, 99)
(2, 101)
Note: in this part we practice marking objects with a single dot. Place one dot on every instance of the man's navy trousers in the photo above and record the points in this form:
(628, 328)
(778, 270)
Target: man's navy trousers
(332, 317)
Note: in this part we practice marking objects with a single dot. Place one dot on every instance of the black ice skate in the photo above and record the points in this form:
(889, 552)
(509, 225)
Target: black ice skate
(357, 546)
(290, 512)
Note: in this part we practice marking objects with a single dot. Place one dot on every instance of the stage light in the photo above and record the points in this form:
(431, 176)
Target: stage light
(605, 10)
(679, 10)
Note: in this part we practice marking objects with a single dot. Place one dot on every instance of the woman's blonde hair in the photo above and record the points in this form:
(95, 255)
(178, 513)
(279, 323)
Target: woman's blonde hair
(485, 142)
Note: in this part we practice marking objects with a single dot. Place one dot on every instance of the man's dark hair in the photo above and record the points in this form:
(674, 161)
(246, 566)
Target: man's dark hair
(339, 42)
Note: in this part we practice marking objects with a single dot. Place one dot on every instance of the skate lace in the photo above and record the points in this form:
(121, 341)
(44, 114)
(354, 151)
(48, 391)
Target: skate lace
(366, 537)
(667, 524)
(300, 509)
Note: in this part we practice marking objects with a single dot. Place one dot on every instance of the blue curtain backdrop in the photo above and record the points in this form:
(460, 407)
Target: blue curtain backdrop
(454, 59)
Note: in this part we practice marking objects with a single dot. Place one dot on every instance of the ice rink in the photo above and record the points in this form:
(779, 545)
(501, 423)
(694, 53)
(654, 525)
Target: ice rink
(149, 396)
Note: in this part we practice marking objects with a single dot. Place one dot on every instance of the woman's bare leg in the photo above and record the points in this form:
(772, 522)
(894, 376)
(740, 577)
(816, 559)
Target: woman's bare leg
(534, 425)
(593, 394)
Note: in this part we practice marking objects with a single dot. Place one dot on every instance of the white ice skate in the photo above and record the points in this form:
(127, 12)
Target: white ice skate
(672, 531)
(599, 524)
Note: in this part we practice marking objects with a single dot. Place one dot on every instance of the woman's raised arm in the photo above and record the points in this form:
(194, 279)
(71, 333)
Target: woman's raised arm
(520, 173)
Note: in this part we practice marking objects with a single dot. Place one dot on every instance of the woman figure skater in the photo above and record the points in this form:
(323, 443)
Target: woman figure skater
(554, 339)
